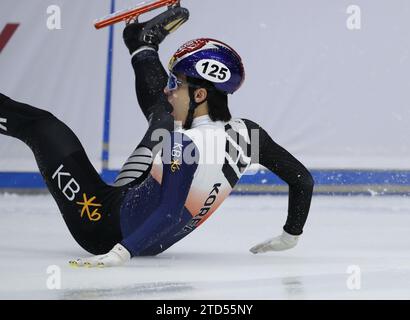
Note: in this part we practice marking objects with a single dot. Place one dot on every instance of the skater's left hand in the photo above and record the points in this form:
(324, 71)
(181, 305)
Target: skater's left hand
(284, 242)
(118, 256)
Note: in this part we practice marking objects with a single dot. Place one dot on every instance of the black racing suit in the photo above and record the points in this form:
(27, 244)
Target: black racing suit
(90, 207)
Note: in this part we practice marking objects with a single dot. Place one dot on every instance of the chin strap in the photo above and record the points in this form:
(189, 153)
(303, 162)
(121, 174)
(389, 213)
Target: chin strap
(192, 107)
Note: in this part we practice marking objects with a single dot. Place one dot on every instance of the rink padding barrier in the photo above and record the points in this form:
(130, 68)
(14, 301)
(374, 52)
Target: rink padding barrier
(334, 97)
(327, 182)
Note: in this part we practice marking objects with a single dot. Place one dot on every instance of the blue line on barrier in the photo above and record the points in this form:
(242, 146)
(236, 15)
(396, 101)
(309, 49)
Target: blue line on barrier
(21, 180)
(322, 177)
(108, 88)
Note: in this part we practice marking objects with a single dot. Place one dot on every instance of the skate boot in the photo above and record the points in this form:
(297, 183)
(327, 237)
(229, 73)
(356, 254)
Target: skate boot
(154, 31)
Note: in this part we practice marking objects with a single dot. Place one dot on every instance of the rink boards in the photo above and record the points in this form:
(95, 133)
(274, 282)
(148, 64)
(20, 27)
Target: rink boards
(327, 182)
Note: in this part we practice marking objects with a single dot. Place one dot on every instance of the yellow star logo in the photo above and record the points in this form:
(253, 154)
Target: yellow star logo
(94, 215)
(175, 165)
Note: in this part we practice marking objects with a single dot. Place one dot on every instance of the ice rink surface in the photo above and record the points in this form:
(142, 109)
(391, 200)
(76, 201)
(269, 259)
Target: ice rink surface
(214, 262)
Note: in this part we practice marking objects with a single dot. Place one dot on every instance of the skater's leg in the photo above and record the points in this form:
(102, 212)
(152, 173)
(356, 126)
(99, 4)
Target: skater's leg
(89, 207)
(142, 41)
(150, 81)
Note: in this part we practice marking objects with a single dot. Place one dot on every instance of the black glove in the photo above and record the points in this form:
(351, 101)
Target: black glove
(154, 31)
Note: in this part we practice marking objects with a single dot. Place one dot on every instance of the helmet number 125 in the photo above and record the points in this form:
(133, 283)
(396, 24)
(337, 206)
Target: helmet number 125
(213, 71)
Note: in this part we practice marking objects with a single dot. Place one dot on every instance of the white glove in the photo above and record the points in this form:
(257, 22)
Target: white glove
(284, 242)
(116, 257)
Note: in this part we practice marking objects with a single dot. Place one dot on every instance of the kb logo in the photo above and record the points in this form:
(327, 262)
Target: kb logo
(71, 188)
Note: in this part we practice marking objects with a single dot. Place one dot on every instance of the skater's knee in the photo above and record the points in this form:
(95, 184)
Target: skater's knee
(40, 114)
(24, 119)
(41, 121)
(35, 118)
(22, 112)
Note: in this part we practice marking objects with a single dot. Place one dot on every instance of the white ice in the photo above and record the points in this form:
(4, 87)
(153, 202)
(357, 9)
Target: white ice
(372, 233)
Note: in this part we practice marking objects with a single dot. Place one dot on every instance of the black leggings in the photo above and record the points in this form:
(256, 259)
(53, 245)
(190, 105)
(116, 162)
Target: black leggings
(90, 207)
